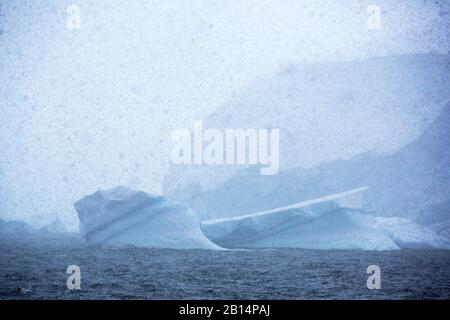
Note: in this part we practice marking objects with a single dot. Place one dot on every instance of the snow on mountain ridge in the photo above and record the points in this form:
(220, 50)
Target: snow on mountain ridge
(326, 112)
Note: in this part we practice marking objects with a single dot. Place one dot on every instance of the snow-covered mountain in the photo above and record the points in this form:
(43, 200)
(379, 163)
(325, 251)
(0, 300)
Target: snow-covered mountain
(382, 123)
(413, 182)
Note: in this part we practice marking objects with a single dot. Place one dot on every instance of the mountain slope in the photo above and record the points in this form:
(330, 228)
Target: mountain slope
(412, 181)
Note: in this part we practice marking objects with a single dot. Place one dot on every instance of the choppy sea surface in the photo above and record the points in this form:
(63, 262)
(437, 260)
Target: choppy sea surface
(35, 268)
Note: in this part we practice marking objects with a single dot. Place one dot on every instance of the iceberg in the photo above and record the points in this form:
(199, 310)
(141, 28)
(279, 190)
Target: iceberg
(339, 129)
(122, 216)
(407, 234)
(336, 229)
(332, 222)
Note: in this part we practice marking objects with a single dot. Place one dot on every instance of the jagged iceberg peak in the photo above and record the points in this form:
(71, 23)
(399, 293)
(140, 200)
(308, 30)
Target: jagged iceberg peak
(122, 216)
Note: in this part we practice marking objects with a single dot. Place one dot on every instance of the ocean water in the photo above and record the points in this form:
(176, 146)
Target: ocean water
(35, 268)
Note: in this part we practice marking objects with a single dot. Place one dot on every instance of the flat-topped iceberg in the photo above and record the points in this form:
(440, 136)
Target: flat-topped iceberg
(406, 233)
(332, 222)
(121, 216)
(336, 229)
